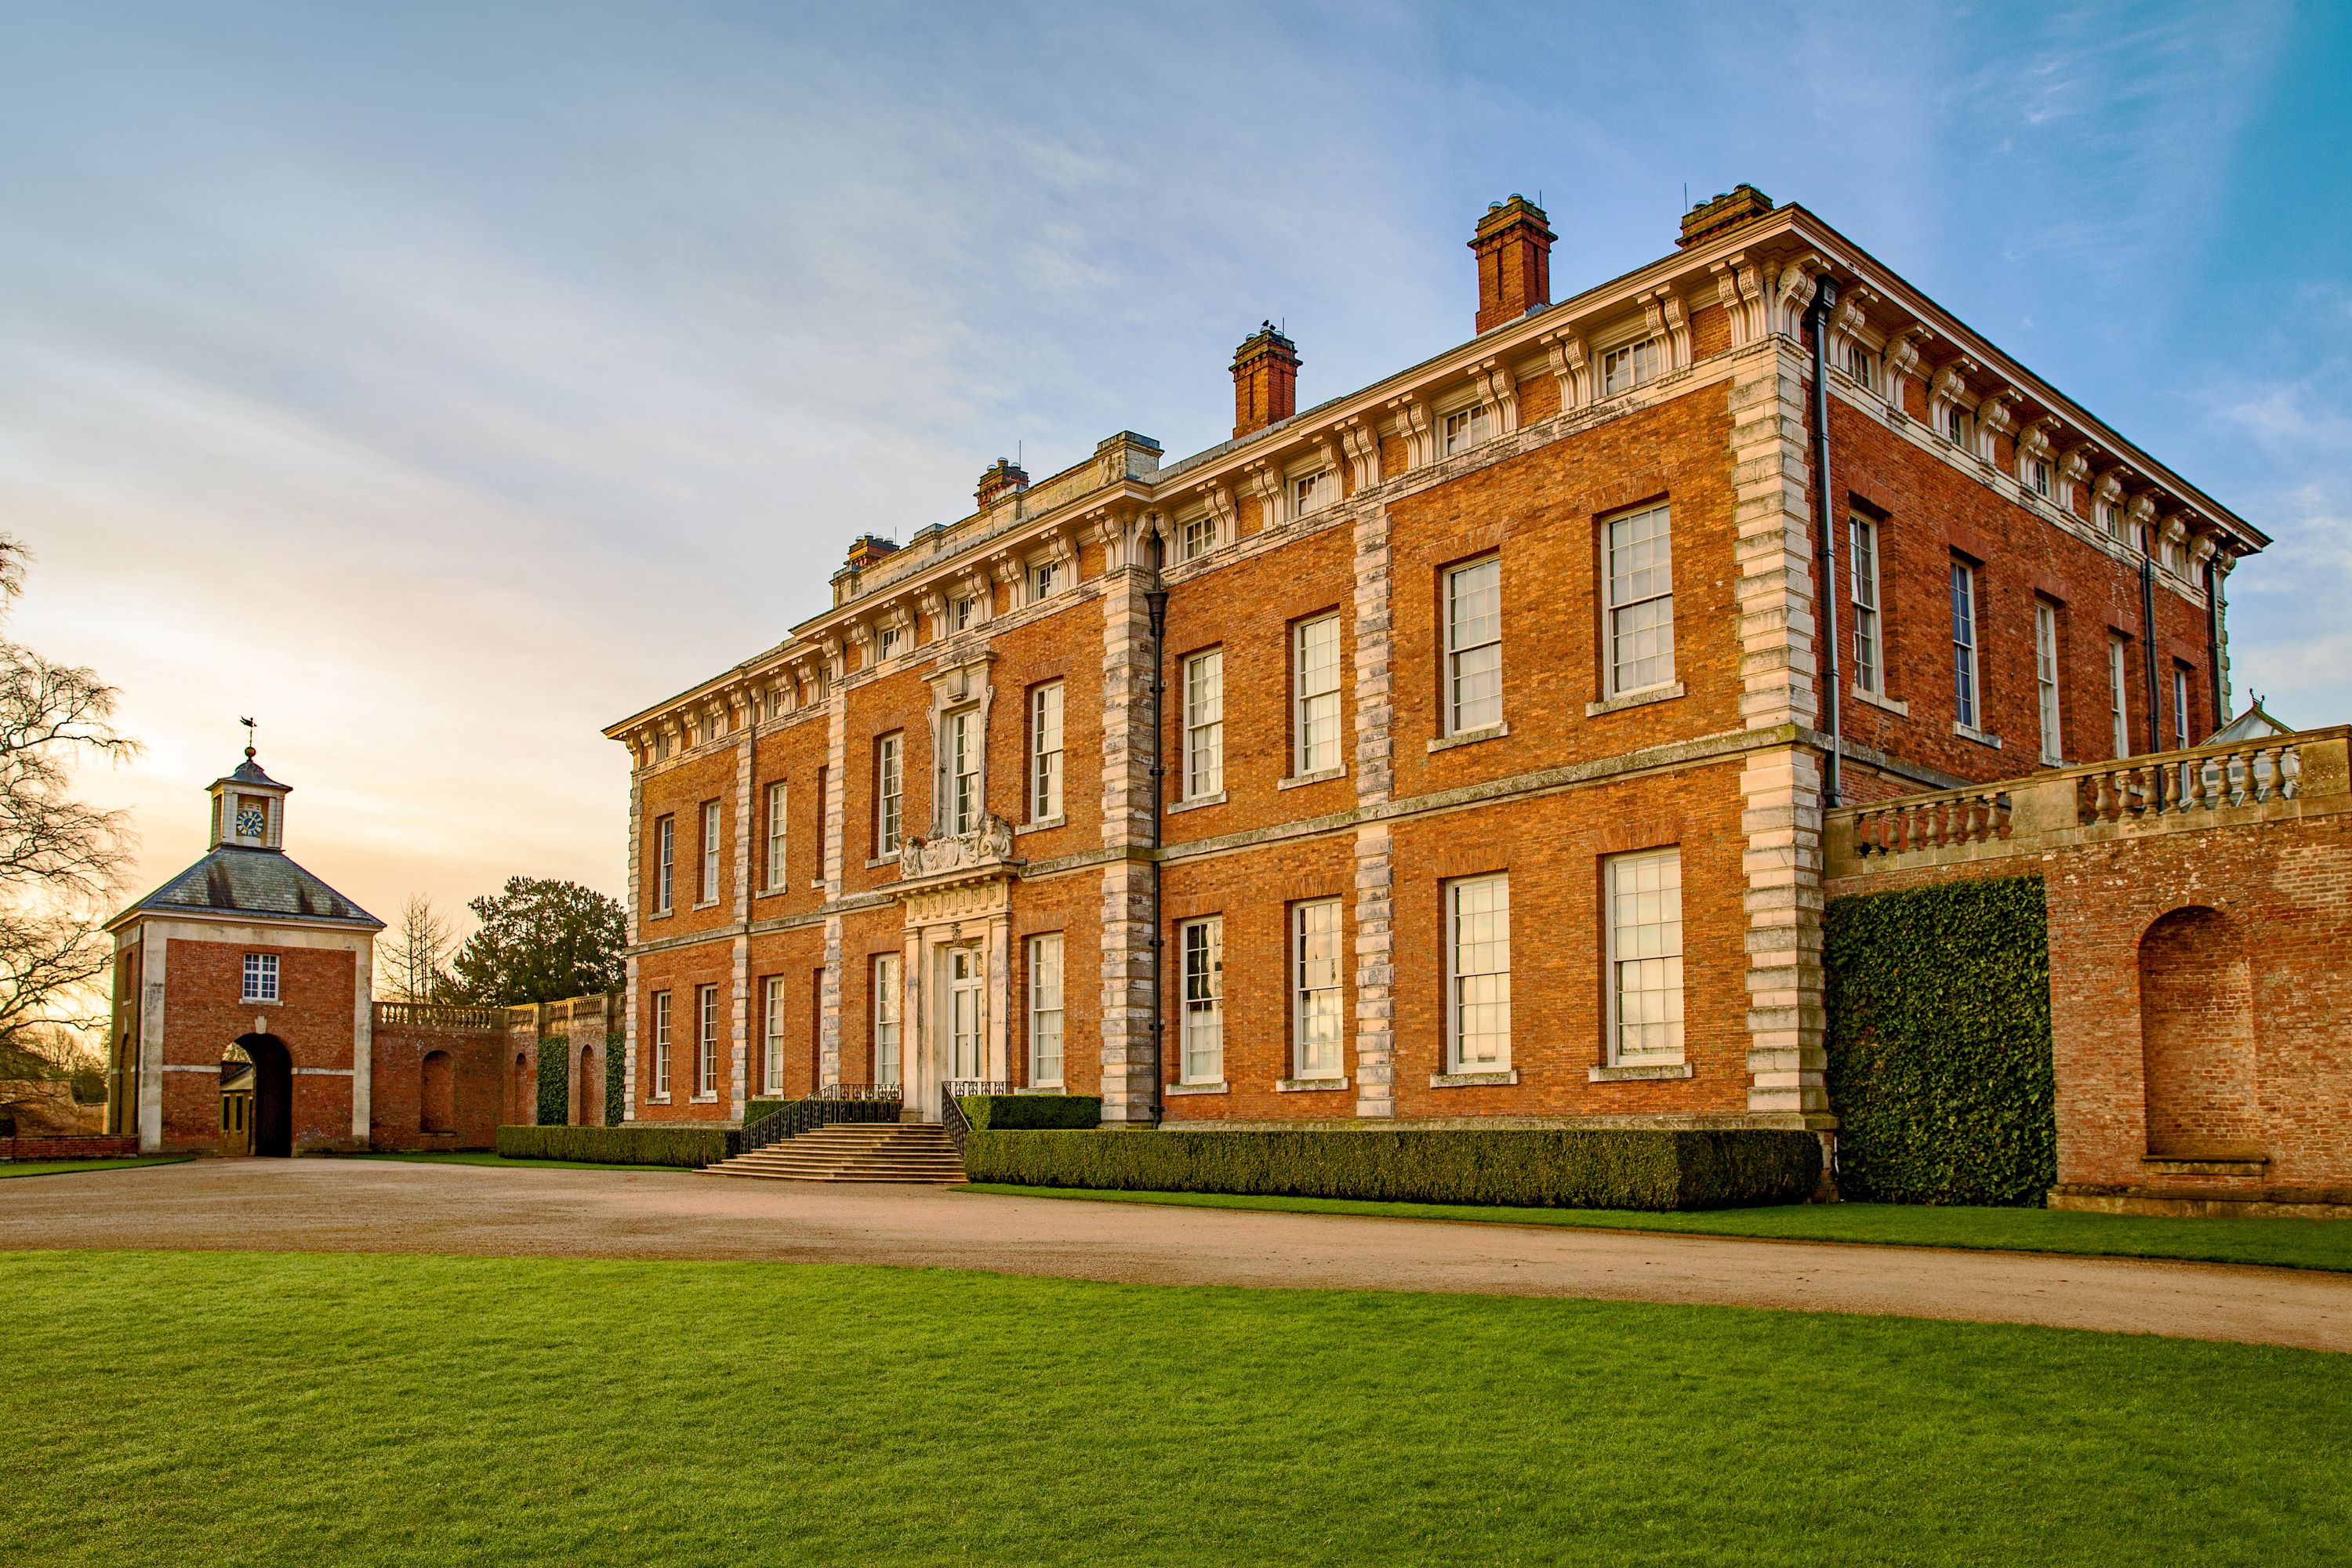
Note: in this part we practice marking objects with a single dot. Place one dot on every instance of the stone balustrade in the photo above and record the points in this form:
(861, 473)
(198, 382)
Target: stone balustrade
(2201, 786)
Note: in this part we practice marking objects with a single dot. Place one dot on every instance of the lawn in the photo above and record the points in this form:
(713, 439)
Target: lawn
(485, 1157)
(66, 1167)
(277, 1407)
(2283, 1243)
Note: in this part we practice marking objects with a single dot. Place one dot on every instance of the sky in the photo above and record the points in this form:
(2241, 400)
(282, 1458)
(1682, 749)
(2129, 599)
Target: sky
(440, 383)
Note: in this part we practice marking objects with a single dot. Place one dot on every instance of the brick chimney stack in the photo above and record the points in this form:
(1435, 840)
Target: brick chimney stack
(1001, 478)
(1514, 246)
(1266, 380)
(1715, 214)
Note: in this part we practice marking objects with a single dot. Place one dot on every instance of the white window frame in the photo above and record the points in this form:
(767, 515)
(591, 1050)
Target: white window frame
(661, 1045)
(666, 864)
(1195, 537)
(965, 808)
(886, 972)
(2038, 476)
(1204, 723)
(779, 801)
(1461, 977)
(1633, 364)
(706, 1042)
(1968, 689)
(2119, 708)
(889, 792)
(2045, 681)
(1317, 987)
(1046, 713)
(1861, 364)
(1869, 635)
(2180, 708)
(1474, 644)
(1465, 429)
(261, 977)
(1044, 578)
(1311, 492)
(771, 1035)
(1315, 707)
(1956, 425)
(707, 888)
(1634, 605)
(1201, 1000)
(1046, 1017)
(964, 612)
(1653, 942)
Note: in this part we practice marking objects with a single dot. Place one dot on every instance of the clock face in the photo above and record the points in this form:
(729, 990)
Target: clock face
(252, 821)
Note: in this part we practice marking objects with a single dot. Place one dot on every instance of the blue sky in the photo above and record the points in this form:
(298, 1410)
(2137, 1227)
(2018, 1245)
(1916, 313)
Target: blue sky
(442, 383)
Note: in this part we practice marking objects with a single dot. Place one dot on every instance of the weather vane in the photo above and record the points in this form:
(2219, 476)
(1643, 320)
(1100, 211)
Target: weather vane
(248, 735)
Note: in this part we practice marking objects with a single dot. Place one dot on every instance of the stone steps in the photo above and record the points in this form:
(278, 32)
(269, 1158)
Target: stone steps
(909, 1152)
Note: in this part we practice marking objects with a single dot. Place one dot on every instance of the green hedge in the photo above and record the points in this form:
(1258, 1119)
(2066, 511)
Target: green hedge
(616, 1079)
(554, 1081)
(1939, 1042)
(1631, 1169)
(755, 1109)
(689, 1148)
(1005, 1112)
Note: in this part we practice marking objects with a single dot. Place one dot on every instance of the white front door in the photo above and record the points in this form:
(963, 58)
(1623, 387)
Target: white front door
(967, 1012)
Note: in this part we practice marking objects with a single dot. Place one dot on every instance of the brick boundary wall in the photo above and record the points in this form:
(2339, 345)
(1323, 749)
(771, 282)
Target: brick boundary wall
(67, 1147)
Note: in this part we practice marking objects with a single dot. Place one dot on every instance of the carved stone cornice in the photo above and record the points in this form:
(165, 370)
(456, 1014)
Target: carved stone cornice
(1739, 290)
(1362, 445)
(1571, 366)
(1409, 417)
(1499, 389)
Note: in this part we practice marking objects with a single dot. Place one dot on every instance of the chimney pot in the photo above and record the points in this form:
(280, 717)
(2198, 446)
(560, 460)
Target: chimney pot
(1514, 248)
(1266, 380)
(1730, 210)
(1001, 478)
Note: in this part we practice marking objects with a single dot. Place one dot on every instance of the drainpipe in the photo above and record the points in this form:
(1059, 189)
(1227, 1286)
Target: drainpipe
(1155, 600)
(2148, 644)
(2213, 640)
(1825, 510)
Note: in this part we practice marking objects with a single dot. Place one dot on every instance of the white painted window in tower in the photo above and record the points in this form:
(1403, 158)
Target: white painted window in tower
(886, 973)
(1473, 646)
(1203, 943)
(1641, 601)
(1046, 752)
(965, 808)
(1646, 958)
(261, 977)
(1478, 973)
(1204, 723)
(1317, 1027)
(1046, 1010)
(1315, 678)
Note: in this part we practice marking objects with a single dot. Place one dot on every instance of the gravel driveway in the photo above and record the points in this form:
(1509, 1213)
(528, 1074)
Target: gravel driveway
(374, 1206)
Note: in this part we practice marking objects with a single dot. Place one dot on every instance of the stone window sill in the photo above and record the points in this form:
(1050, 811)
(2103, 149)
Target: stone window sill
(1469, 737)
(660, 914)
(1503, 1079)
(1041, 824)
(778, 892)
(1182, 1089)
(1641, 699)
(1641, 1072)
(657, 1099)
(1309, 1085)
(705, 1099)
(1041, 1088)
(702, 904)
(816, 884)
(1901, 709)
(881, 860)
(1978, 736)
(1196, 803)
(1297, 781)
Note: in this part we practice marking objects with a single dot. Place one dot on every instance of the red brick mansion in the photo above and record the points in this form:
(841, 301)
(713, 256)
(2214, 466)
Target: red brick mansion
(1461, 748)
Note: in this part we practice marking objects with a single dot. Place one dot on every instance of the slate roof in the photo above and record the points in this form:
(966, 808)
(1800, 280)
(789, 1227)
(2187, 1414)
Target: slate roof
(234, 880)
(2254, 724)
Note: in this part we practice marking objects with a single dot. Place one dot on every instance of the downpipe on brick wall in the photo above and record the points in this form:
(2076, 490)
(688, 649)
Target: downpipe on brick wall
(1155, 600)
(1818, 315)
(2148, 638)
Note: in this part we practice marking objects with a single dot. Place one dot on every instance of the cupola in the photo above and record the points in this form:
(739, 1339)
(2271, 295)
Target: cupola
(248, 808)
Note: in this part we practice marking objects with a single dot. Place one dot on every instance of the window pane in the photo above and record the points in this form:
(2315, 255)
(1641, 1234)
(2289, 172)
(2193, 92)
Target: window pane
(1204, 1000)
(2046, 677)
(1045, 1009)
(1646, 953)
(1479, 959)
(1964, 645)
(1046, 762)
(1204, 726)
(1866, 673)
(1316, 957)
(1474, 641)
(1316, 679)
(886, 1017)
(1641, 601)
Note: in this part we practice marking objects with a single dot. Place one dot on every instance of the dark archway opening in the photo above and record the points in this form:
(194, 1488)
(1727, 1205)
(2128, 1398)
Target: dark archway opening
(273, 1094)
(437, 1098)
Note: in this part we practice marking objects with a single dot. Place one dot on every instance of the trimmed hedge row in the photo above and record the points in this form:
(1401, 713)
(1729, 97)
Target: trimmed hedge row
(1009, 1112)
(1617, 1169)
(753, 1110)
(685, 1148)
(1938, 1043)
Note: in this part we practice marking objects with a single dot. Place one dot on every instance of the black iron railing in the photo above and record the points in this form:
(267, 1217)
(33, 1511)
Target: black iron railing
(951, 1116)
(846, 1103)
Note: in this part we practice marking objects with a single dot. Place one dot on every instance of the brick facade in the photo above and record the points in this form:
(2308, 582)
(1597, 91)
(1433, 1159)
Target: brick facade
(1670, 405)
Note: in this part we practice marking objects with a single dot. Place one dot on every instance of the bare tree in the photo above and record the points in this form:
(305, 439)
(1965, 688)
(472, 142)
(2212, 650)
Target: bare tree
(59, 859)
(417, 962)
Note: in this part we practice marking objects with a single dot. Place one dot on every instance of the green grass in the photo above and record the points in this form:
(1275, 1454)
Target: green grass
(484, 1157)
(2283, 1243)
(233, 1408)
(66, 1167)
